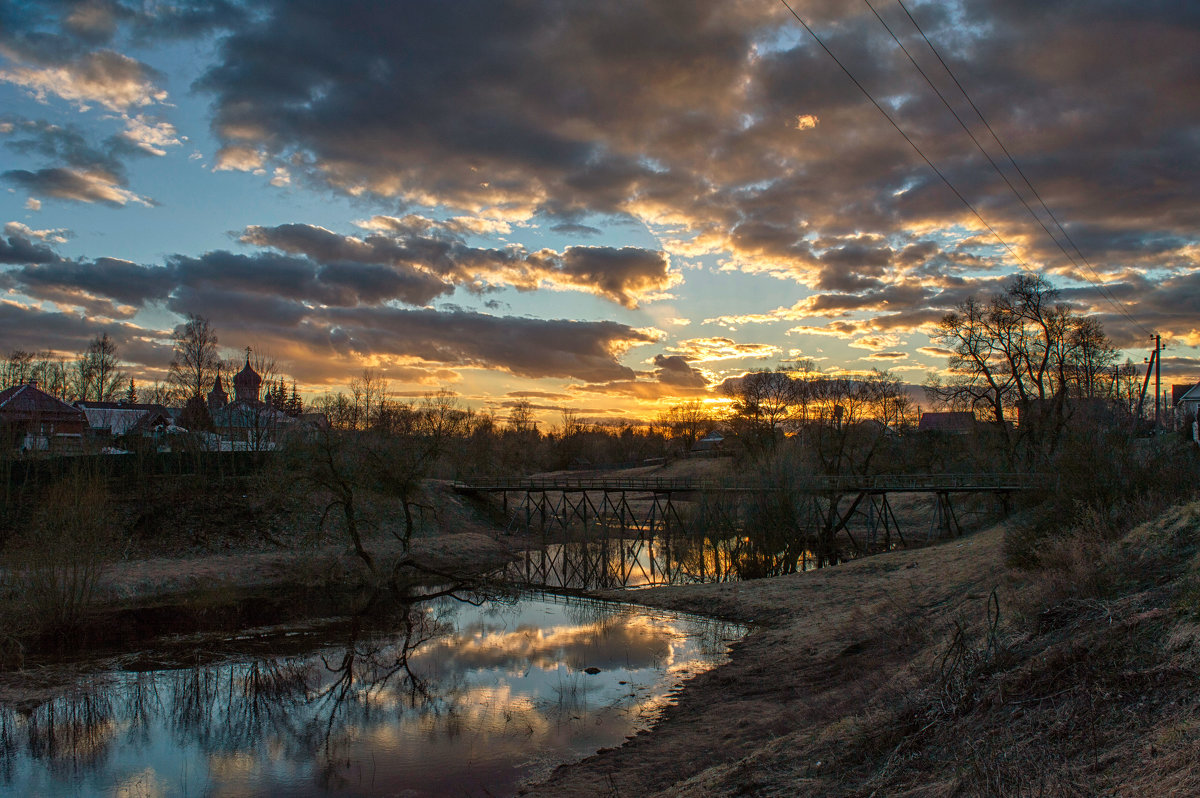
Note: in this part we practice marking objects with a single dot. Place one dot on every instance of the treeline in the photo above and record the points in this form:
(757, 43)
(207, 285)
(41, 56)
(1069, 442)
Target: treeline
(95, 374)
(91, 375)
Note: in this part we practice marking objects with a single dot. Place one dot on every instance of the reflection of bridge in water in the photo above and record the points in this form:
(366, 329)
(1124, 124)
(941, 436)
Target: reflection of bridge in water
(632, 531)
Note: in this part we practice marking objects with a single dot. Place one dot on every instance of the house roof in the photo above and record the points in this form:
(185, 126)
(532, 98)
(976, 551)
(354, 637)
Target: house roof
(85, 404)
(250, 415)
(121, 417)
(26, 402)
(1190, 395)
(947, 422)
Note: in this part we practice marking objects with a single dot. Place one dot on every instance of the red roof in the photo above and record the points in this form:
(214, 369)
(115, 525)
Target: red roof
(947, 422)
(25, 402)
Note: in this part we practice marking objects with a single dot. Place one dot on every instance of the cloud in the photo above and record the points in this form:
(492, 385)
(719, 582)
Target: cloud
(57, 235)
(717, 348)
(77, 185)
(21, 249)
(673, 376)
(239, 159)
(104, 77)
(37, 330)
(438, 250)
(334, 312)
(525, 347)
(150, 135)
(623, 275)
(688, 124)
(83, 171)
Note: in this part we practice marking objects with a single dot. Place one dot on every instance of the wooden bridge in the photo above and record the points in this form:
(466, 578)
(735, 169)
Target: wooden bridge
(620, 531)
(871, 483)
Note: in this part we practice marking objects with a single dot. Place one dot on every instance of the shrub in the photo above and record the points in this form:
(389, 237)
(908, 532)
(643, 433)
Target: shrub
(64, 555)
(1108, 483)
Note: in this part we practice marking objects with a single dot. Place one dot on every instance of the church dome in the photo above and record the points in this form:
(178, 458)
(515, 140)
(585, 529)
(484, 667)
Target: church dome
(246, 384)
(217, 398)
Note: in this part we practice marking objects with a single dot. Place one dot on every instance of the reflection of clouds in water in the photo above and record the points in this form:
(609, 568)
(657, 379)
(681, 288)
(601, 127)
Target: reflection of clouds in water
(226, 765)
(628, 642)
(498, 689)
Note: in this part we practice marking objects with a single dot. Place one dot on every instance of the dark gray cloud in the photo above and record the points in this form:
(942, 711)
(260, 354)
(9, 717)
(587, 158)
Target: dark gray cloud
(673, 375)
(525, 347)
(37, 330)
(435, 257)
(19, 249)
(727, 119)
(314, 312)
(107, 278)
(73, 184)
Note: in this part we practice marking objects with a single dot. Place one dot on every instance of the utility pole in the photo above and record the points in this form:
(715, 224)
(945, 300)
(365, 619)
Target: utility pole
(1157, 382)
(1152, 363)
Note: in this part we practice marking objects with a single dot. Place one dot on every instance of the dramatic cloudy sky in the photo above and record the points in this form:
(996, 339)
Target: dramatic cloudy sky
(597, 205)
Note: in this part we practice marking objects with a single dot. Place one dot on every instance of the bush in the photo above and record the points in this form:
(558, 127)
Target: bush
(1108, 483)
(64, 555)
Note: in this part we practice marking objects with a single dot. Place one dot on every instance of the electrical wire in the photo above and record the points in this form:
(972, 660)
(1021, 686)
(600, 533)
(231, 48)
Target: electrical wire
(1097, 283)
(911, 143)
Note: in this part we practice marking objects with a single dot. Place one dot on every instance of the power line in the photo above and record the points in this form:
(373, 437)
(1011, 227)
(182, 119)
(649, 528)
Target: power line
(967, 129)
(1097, 283)
(911, 143)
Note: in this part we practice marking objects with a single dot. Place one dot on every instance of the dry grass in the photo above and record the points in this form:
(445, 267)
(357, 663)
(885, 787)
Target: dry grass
(940, 673)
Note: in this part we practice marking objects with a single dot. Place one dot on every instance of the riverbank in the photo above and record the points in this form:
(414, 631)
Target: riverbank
(936, 672)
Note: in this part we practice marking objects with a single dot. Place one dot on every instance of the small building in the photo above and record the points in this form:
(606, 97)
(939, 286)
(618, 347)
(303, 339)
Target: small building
(712, 443)
(951, 423)
(1186, 400)
(32, 420)
(125, 418)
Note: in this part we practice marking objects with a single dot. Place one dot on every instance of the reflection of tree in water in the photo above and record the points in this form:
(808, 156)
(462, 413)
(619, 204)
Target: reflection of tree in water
(74, 732)
(303, 706)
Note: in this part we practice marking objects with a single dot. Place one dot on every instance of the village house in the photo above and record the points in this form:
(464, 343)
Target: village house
(949, 423)
(108, 420)
(32, 420)
(1186, 399)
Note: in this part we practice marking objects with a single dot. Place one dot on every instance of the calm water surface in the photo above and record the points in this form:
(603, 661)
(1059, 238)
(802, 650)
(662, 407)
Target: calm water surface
(451, 699)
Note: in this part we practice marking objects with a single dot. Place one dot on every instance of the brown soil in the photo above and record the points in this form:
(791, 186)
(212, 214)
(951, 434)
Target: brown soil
(893, 676)
(824, 644)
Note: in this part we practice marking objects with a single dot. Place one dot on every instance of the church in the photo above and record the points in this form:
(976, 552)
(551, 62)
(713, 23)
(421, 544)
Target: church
(247, 422)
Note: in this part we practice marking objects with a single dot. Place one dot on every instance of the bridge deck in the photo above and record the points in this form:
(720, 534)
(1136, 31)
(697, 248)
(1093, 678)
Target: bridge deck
(877, 483)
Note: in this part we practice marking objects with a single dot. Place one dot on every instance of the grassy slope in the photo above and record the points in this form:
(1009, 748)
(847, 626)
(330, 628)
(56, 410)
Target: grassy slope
(892, 676)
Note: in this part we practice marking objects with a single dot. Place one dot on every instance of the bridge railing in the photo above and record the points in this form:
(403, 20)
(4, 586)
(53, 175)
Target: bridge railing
(806, 483)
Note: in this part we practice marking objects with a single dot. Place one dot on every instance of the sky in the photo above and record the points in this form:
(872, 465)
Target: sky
(608, 207)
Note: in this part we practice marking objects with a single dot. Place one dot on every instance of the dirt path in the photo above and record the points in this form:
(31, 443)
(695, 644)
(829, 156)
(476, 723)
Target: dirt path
(825, 645)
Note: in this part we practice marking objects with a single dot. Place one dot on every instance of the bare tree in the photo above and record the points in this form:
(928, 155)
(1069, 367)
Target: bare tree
(763, 401)
(520, 416)
(195, 362)
(687, 421)
(368, 391)
(96, 374)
